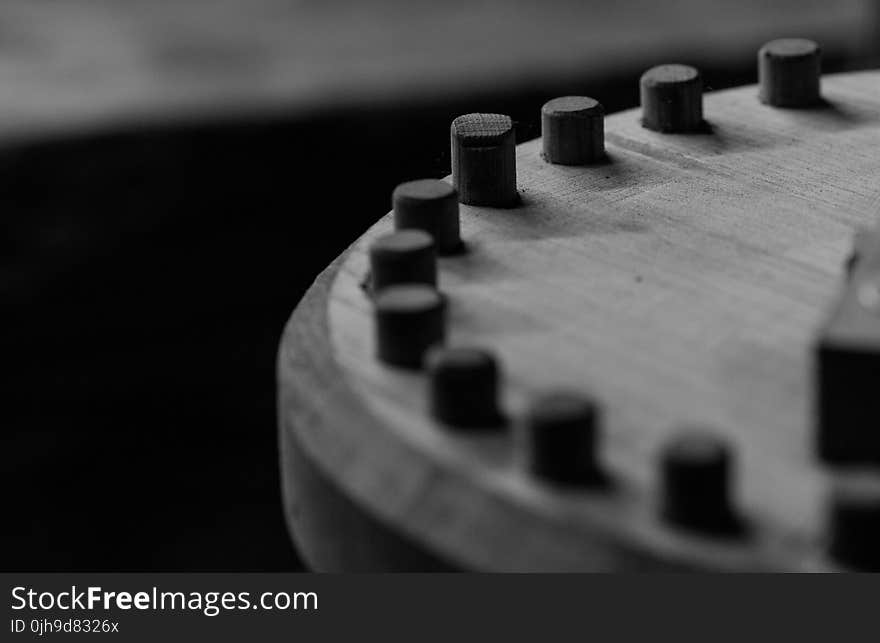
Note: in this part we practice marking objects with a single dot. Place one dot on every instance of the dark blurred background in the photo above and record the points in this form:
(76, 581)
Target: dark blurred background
(173, 176)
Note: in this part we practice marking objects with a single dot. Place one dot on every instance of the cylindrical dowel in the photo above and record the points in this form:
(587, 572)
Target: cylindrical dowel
(464, 387)
(573, 130)
(432, 206)
(560, 433)
(855, 521)
(410, 319)
(404, 257)
(789, 72)
(484, 160)
(672, 99)
(695, 471)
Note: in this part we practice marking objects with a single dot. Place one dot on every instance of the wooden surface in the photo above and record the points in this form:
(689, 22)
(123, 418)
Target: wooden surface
(682, 283)
(147, 168)
(88, 63)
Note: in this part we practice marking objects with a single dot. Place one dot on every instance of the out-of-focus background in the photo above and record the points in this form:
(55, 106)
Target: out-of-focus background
(173, 176)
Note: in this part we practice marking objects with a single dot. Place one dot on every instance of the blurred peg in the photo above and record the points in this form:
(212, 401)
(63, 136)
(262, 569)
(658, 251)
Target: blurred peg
(863, 240)
(484, 160)
(464, 387)
(789, 72)
(432, 206)
(410, 319)
(405, 257)
(561, 431)
(672, 99)
(695, 471)
(847, 361)
(855, 521)
(573, 130)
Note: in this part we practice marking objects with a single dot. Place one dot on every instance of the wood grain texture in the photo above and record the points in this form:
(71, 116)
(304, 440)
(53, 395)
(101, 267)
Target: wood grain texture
(682, 283)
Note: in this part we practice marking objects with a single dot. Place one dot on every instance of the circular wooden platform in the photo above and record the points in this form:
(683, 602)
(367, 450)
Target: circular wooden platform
(681, 283)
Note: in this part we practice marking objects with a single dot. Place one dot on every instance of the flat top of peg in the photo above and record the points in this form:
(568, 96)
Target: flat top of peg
(407, 298)
(860, 489)
(573, 106)
(670, 75)
(403, 241)
(697, 446)
(461, 357)
(790, 48)
(561, 408)
(477, 130)
(681, 283)
(424, 190)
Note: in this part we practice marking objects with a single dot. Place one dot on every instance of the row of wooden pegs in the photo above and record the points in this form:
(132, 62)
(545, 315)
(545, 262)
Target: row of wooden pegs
(562, 428)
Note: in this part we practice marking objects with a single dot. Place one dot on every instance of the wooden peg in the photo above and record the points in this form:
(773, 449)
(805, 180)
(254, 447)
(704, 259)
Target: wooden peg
(862, 239)
(404, 257)
(789, 72)
(561, 430)
(484, 160)
(854, 521)
(695, 472)
(573, 130)
(848, 365)
(410, 319)
(672, 99)
(432, 206)
(464, 387)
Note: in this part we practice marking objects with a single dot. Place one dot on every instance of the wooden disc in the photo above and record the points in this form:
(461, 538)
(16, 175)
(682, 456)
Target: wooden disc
(681, 283)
